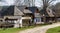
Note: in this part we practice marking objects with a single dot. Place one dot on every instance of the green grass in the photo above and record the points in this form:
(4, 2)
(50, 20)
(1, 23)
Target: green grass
(54, 30)
(9, 30)
(16, 30)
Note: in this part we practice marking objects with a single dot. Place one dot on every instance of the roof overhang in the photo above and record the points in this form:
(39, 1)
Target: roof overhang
(26, 17)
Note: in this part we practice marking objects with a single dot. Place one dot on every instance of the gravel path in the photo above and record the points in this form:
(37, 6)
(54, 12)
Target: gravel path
(41, 29)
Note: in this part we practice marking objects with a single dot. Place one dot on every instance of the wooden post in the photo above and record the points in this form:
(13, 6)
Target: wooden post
(44, 18)
(55, 19)
(21, 23)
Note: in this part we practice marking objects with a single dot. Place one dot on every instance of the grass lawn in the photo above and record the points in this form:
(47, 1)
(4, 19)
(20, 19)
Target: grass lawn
(16, 30)
(54, 30)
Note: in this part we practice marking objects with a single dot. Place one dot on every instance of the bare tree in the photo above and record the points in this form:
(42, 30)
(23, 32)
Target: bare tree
(46, 3)
(19, 2)
(25, 2)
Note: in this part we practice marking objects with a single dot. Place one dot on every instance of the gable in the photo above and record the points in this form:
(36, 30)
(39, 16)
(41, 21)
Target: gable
(17, 11)
(21, 8)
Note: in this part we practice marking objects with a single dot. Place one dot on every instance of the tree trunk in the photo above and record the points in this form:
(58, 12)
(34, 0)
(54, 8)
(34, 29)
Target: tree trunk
(44, 8)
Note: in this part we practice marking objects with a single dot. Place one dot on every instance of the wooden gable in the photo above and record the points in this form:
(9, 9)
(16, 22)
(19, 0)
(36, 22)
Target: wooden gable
(18, 11)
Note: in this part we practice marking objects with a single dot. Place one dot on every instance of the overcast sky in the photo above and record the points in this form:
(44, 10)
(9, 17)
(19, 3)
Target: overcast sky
(39, 3)
(6, 2)
(11, 2)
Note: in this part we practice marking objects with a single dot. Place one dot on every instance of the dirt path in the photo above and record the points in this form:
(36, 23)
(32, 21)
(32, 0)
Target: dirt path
(41, 29)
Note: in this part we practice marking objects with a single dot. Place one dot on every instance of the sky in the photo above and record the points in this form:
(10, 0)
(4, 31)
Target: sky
(38, 3)
(6, 2)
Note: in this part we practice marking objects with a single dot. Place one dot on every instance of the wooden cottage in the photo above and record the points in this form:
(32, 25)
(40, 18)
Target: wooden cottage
(27, 17)
(17, 15)
(37, 17)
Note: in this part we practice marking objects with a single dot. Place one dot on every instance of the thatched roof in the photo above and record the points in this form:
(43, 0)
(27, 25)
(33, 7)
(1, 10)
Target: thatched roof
(50, 12)
(21, 8)
(56, 10)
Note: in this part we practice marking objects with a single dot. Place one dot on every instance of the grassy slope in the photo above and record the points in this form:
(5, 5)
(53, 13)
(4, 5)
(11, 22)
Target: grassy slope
(54, 30)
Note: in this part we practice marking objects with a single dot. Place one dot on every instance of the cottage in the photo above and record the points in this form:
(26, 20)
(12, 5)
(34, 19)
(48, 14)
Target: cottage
(37, 17)
(27, 17)
(48, 15)
(13, 15)
(17, 15)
